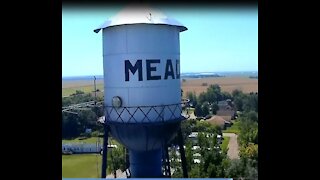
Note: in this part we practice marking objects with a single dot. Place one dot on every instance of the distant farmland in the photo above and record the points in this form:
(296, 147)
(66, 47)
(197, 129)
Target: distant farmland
(70, 86)
(190, 85)
(226, 83)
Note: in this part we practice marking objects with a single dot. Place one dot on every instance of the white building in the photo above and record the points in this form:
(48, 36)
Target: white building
(85, 148)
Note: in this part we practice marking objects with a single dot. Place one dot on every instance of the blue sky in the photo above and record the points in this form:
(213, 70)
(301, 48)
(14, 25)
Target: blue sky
(217, 39)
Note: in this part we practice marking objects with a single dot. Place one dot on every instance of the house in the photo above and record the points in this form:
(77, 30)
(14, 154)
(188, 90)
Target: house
(82, 148)
(226, 110)
(78, 148)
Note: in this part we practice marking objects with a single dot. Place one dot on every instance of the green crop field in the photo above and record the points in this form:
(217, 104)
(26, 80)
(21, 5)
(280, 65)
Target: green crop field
(81, 166)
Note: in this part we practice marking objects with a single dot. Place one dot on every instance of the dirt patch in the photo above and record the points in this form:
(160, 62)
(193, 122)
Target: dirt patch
(233, 147)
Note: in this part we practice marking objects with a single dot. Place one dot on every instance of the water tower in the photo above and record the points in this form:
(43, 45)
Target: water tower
(142, 96)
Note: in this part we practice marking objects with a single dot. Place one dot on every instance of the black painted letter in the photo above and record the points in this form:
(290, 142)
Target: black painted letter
(150, 69)
(178, 69)
(169, 72)
(128, 66)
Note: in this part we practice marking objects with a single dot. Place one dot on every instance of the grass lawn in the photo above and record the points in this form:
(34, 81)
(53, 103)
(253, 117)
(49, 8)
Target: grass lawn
(225, 143)
(85, 89)
(233, 129)
(81, 166)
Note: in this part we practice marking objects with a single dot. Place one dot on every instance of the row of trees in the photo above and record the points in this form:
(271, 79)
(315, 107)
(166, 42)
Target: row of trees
(212, 95)
(245, 102)
(207, 102)
(247, 165)
(79, 97)
(73, 125)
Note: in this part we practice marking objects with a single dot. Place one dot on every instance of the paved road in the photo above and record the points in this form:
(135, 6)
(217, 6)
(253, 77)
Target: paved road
(233, 146)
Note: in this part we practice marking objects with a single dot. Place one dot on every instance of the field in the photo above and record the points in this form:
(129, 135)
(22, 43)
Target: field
(81, 166)
(70, 86)
(189, 85)
(227, 84)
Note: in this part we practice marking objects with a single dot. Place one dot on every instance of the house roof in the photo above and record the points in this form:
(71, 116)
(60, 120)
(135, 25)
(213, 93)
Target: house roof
(222, 103)
(224, 112)
(227, 118)
(216, 120)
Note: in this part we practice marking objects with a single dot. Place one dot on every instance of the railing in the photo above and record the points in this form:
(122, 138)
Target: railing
(134, 114)
(144, 114)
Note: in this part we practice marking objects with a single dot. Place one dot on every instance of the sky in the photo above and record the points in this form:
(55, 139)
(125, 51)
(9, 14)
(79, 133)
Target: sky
(217, 40)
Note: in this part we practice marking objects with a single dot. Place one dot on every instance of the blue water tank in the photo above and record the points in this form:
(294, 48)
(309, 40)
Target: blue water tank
(142, 90)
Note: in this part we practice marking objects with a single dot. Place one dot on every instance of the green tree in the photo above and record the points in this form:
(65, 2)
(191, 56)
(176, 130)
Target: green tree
(250, 103)
(214, 108)
(251, 170)
(192, 97)
(195, 171)
(248, 131)
(251, 115)
(202, 126)
(116, 159)
(173, 154)
(88, 119)
(177, 173)
(202, 142)
(214, 141)
(217, 129)
(236, 93)
(236, 169)
(198, 111)
(250, 151)
(70, 126)
(202, 98)
(189, 155)
(226, 95)
(79, 98)
(238, 101)
(78, 92)
(205, 108)
(214, 93)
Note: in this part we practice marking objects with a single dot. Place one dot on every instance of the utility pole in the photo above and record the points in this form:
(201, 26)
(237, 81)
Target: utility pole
(95, 91)
(105, 150)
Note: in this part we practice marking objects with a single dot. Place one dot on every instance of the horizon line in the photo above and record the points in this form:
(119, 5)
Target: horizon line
(181, 73)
